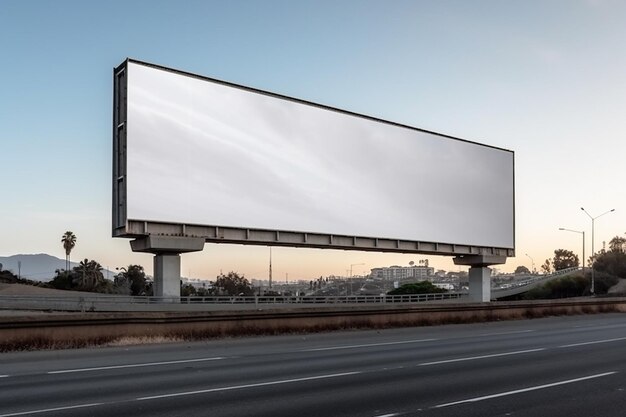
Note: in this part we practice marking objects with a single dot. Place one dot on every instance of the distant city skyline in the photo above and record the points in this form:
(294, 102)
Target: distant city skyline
(544, 79)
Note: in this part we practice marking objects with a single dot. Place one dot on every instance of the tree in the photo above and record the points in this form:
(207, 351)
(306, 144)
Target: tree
(7, 276)
(612, 262)
(233, 284)
(121, 284)
(547, 266)
(617, 244)
(89, 275)
(564, 259)
(592, 258)
(202, 292)
(63, 280)
(69, 241)
(134, 277)
(521, 270)
(187, 290)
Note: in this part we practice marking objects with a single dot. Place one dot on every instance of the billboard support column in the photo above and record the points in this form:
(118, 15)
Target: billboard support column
(167, 250)
(480, 284)
(479, 274)
(167, 275)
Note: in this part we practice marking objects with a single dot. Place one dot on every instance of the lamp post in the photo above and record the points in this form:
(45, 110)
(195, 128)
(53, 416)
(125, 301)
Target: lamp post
(583, 233)
(351, 265)
(532, 261)
(270, 268)
(593, 253)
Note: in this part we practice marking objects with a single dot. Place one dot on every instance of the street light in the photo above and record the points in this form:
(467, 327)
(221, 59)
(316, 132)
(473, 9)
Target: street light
(351, 265)
(583, 233)
(593, 252)
(532, 262)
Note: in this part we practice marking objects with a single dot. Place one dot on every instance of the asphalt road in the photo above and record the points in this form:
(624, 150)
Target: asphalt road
(566, 366)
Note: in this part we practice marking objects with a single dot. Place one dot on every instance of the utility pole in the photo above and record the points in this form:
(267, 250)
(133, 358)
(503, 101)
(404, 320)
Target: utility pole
(270, 267)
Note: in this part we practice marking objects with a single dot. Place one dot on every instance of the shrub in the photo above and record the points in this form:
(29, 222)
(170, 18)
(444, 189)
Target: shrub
(572, 286)
(421, 287)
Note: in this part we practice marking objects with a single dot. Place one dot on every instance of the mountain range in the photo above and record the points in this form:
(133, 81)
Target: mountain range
(39, 267)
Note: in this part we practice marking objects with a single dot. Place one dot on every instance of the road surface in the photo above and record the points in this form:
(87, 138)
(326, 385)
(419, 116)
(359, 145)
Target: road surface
(565, 366)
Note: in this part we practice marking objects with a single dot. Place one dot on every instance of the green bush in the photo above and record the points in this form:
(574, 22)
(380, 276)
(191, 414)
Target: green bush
(604, 281)
(63, 280)
(572, 286)
(421, 287)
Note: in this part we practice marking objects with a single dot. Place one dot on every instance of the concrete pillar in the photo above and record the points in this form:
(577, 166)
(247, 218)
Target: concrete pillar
(167, 250)
(480, 284)
(479, 274)
(167, 275)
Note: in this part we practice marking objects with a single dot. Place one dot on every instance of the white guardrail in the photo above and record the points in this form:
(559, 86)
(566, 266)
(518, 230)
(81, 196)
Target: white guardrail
(102, 302)
(533, 280)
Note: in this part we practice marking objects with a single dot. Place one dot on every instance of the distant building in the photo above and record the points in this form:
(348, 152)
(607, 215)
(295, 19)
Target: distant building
(400, 273)
(444, 285)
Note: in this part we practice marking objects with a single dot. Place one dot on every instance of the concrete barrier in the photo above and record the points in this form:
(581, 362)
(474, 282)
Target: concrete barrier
(70, 330)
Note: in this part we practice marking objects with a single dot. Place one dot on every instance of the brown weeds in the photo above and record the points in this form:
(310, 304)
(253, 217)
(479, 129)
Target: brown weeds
(163, 332)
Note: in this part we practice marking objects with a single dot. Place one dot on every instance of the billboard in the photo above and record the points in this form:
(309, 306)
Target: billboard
(196, 156)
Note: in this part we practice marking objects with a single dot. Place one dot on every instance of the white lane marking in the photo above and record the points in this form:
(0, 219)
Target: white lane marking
(388, 415)
(519, 391)
(471, 358)
(4, 376)
(50, 410)
(134, 365)
(593, 342)
(505, 333)
(369, 345)
(596, 327)
(235, 387)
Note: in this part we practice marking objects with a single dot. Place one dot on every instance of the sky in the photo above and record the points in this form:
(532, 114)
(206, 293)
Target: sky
(544, 79)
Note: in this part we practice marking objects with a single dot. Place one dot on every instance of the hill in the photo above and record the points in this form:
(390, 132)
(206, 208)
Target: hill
(39, 267)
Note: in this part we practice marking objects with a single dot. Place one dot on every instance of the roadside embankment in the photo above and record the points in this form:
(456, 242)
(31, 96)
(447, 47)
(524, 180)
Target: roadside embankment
(71, 330)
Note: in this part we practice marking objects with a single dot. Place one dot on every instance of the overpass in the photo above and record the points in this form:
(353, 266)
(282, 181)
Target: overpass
(531, 282)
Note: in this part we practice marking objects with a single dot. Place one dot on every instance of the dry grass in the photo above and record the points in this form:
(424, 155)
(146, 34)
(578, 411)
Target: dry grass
(23, 289)
(73, 337)
(44, 343)
(143, 340)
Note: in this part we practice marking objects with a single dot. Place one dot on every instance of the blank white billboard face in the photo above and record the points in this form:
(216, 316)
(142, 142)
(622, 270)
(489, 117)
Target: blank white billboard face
(206, 153)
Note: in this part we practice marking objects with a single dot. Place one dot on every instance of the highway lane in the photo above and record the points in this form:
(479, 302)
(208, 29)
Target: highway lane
(570, 366)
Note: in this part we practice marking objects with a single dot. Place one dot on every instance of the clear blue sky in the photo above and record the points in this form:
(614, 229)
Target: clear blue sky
(543, 78)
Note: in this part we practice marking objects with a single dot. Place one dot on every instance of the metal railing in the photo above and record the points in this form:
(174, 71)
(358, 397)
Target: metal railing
(531, 282)
(532, 279)
(100, 302)
(311, 299)
(104, 302)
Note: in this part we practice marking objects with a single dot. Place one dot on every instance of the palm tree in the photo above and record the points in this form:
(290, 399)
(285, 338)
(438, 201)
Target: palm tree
(69, 241)
(89, 275)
